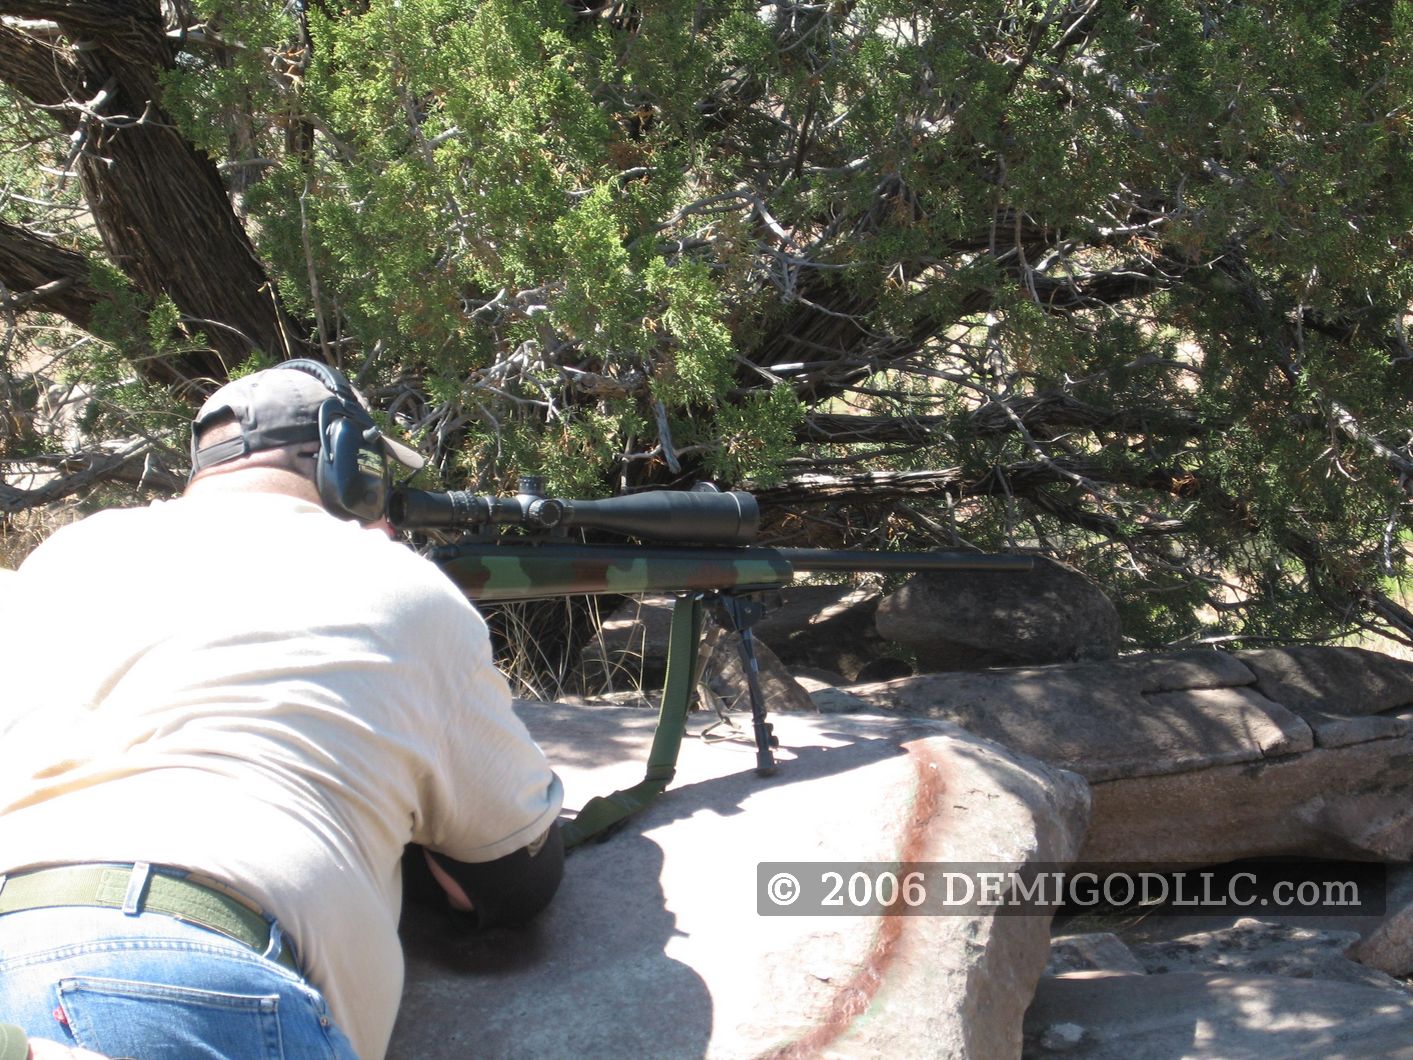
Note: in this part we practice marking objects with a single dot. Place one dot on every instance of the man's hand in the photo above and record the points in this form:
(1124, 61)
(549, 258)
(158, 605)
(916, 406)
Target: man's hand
(455, 896)
(506, 892)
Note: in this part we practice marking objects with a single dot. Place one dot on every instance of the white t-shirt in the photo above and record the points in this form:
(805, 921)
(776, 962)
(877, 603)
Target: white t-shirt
(246, 686)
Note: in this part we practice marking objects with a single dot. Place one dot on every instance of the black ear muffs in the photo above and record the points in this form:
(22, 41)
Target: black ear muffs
(353, 477)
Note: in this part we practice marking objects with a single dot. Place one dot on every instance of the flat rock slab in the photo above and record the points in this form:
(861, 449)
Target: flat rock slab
(1142, 717)
(1345, 695)
(1312, 677)
(655, 948)
(1191, 757)
(1351, 802)
(1249, 945)
(1220, 1016)
(1095, 951)
(1172, 712)
(1256, 946)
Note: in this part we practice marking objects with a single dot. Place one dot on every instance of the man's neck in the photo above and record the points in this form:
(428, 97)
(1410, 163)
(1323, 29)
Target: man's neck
(276, 480)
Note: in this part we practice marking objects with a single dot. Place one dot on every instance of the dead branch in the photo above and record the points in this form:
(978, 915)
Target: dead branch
(129, 464)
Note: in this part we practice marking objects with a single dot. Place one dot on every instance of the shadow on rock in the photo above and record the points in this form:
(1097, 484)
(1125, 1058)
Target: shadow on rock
(589, 978)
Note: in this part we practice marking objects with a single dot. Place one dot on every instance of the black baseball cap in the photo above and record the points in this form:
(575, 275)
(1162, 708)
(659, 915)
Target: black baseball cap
(277, 407)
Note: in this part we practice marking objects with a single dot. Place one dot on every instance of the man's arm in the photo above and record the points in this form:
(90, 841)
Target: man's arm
(506, 892)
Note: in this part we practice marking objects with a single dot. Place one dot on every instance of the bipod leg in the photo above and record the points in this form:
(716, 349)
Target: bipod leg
(605, 812)
(740, 614)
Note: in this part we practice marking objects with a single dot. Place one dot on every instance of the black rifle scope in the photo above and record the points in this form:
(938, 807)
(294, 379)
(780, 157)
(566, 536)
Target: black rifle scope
(699, 516)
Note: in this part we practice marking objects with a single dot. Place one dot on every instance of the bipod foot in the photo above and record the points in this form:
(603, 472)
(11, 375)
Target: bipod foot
(766, 742)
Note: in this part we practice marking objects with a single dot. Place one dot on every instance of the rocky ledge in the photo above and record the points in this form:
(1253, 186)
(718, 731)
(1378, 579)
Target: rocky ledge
(1202, 757)
(655, 947)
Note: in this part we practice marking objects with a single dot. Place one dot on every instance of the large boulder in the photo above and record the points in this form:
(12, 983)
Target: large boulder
(1388, 947)
(657, 946)
(967, 620)
(1190, 762)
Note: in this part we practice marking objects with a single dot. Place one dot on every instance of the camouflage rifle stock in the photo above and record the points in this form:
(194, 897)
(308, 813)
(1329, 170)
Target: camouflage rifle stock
(701, 552)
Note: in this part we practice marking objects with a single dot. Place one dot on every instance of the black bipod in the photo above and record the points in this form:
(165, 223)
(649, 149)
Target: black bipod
(738, 614)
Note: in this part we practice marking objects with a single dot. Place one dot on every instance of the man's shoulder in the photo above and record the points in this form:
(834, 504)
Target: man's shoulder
(106, 523)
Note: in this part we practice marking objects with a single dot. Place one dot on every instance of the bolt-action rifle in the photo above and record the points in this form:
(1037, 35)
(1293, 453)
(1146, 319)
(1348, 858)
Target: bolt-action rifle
(698, 546)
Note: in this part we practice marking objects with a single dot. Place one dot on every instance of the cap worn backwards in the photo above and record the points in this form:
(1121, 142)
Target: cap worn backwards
(277, 407)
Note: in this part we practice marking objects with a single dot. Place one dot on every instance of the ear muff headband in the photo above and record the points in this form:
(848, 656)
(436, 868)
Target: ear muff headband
(331, 377)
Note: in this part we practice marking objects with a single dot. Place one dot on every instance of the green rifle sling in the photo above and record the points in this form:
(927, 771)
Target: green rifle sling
(603, 812)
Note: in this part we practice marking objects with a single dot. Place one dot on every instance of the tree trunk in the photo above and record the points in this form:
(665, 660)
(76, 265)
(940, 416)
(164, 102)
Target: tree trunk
(37, 273)
(157, 201)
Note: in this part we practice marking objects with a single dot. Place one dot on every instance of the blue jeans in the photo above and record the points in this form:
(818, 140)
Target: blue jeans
(152, 987)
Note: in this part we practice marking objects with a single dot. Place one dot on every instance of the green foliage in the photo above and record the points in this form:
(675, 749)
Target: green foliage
(215, 94)
(699, 368)
(129, 333)
(1137, 277)
(755, 438)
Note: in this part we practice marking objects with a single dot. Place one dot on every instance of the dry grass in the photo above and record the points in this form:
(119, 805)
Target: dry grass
(23, 532)
(538, 648)
(1385, 645)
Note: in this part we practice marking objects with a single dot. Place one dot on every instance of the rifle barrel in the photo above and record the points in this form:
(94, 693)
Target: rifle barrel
(832, 559)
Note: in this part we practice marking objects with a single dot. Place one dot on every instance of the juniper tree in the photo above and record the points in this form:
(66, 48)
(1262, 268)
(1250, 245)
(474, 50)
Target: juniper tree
(1128, 283)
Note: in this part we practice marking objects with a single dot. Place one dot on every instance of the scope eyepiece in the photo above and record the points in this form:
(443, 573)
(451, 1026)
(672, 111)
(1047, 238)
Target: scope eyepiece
(412, 509)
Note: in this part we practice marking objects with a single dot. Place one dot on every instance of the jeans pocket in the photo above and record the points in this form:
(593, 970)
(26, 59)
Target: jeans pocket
(151, 1021)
